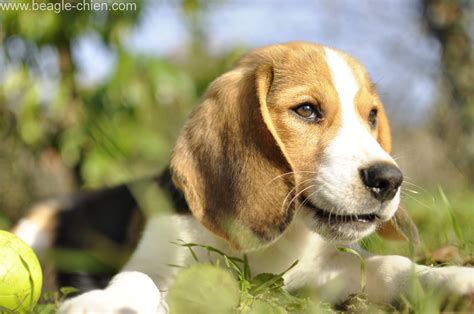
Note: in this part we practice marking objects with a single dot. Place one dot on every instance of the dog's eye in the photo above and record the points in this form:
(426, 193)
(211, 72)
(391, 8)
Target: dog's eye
(309, 111)
(373, 118)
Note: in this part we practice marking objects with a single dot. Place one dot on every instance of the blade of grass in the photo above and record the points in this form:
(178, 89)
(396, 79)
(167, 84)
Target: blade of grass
(289, 268)
(247, 273)
(363, 276)
(454, 221)
(274, 280)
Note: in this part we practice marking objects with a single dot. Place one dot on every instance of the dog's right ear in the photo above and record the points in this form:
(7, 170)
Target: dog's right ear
(400, 227)
(227, 157)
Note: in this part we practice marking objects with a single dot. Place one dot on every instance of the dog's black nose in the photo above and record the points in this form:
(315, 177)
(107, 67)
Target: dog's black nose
(382, 179)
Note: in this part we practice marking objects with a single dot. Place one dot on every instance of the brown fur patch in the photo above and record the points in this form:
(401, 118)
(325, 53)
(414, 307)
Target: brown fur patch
(223, 159)
(44, 217)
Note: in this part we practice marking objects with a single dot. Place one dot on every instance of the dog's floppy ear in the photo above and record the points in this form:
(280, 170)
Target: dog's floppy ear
(400, 227)
(227, 158)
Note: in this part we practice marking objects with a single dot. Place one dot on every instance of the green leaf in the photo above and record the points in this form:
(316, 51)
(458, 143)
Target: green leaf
(65, 291)
(204, 288)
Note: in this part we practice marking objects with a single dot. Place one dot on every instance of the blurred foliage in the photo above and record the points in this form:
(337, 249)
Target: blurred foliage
(189, 297)
(449, 22)
(90, 134)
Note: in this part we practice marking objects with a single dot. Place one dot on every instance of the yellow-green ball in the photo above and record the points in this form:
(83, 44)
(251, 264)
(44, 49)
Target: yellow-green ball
(20, 274)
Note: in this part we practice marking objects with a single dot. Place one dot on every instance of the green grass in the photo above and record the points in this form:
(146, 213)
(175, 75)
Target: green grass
(50, 301)
(442, 221)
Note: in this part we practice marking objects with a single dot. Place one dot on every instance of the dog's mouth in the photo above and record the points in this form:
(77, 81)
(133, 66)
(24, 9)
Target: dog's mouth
(326, 216)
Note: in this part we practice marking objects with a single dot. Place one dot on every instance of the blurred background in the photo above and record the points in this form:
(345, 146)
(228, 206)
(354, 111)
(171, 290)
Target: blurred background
(96, 98)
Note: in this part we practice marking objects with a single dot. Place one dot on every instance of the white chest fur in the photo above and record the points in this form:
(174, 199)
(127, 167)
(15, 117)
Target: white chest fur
(158, 250)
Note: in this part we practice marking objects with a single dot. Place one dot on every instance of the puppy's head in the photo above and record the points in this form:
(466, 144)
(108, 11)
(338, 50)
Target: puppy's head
(291, 127)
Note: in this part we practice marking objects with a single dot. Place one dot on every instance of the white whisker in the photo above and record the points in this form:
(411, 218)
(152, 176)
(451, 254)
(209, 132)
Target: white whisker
(288, 173)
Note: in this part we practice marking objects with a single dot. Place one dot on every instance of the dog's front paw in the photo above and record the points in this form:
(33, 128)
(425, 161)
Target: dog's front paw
(450, 280)
(105, 301)
(128, 292)
(92, 302)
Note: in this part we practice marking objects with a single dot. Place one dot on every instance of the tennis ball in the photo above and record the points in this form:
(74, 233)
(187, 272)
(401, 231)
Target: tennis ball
(20, 274)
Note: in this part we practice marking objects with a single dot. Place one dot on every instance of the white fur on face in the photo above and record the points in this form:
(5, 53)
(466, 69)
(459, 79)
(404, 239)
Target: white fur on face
(340, 188)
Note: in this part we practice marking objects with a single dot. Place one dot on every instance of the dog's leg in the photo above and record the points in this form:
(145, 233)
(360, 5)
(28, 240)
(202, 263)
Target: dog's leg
(128, 292)
(395, 273)
(390, 276)
(135, 288)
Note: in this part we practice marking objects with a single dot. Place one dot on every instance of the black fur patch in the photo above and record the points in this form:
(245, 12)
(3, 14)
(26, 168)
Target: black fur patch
(90, 221)
(175, 195)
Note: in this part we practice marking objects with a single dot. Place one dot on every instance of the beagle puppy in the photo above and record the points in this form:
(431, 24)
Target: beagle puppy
(286, 158)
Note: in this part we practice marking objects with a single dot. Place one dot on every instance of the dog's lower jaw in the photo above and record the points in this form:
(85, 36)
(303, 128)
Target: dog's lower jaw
(337, 232)
(349, 226)
(341, 234)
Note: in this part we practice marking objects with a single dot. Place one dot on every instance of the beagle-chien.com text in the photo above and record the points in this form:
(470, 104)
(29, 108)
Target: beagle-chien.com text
(286, 158)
